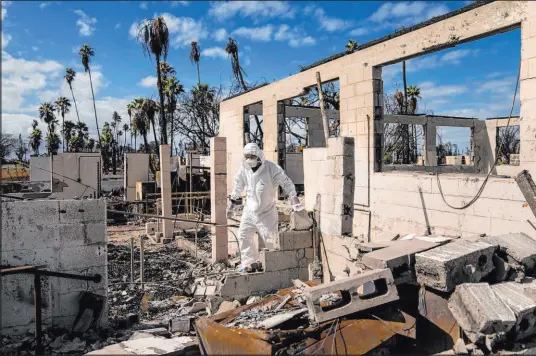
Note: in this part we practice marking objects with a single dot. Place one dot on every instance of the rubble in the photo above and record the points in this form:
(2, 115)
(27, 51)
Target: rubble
(444, 267)
(481, 313)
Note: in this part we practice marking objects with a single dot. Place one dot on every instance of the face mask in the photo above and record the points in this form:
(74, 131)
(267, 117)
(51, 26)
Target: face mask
(252, 162)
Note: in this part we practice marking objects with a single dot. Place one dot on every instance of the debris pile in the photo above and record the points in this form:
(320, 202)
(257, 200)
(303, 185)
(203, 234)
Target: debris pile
(478, 294)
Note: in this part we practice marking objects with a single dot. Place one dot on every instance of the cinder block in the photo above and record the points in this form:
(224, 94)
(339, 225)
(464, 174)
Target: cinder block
(76, 211)
(383, 281)
(235, 285)
(218, 144)
(292, 240)
(524, 307)
(521, 247)
(444, 267)
(279, 260)
(399, 257)
(341, 146)
(478, 309)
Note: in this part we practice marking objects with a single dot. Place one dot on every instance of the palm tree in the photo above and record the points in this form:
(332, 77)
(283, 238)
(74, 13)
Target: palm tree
(63, 106)
(125, 129)
(149, 109)
(86, 53)
(130, 108)
(414, 93)
(46, 114)
(35, 137)
(166, 69)
(172, 89)
(69, 78)
(136, 108)
(351, 46)
(195, 55)
(153, 35)
(52, 141)
(90, 144)
(67, 132)
(141, 124)
(238, 71)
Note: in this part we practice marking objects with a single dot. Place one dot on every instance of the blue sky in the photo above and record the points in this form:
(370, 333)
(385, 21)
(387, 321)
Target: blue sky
(41, 39)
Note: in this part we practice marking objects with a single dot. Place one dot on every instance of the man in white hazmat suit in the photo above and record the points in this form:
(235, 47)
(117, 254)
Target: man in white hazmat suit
(260, 178)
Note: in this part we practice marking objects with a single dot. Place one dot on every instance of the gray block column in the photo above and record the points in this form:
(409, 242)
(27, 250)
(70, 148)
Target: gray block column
(429, 145)
(165, 189)
(337, 205)
(218, 197)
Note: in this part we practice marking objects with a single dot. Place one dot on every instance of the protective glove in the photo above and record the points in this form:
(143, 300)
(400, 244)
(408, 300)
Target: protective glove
(296, 205)
(231, 208)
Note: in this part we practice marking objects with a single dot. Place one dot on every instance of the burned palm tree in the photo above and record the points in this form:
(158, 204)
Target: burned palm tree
(195, 56)
(153, 35)
(238, 71)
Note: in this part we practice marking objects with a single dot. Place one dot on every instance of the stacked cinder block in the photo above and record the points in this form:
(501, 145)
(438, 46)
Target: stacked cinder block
(60, 235)
(293, 253)
(218, 197)
(337, 203)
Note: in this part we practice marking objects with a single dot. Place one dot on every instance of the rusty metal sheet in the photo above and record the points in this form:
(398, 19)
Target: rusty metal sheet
(437, 330)
(350, 336)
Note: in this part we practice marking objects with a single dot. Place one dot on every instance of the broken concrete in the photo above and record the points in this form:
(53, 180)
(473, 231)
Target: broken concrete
(399, 257)
(300, 221)
(444, 267)
(150, 346)
(524, 307)
(348, 287)
(519, 247)
(480, 311)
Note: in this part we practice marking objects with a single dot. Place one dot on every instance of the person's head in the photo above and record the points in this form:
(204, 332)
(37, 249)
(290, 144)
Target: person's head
(253, 155)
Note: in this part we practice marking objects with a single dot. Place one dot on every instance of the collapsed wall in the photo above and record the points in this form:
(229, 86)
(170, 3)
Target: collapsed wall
(58, 235)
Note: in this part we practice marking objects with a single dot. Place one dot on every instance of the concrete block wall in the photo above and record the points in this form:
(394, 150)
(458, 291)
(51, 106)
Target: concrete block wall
(218, 197)
(288, 261)
(294, 167)
(314, 160)
(391, 201)
(60, 235)
(136, 170)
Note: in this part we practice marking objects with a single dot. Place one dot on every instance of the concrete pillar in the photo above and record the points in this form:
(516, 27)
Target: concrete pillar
(337, 204)
(218, 197)
(429, 145)
(527, 90)
(165, 190)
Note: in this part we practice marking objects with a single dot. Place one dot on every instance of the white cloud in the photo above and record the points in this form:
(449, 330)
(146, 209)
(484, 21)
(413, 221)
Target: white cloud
(177, 3)
(431, 90)
(247, 61)
(255, 10)
(263, 33)
(498, 86)
(330, 24)
(220, 35)
(182, 30)
(4, 13)
(295, 36)
(215, 52)
(5, 40)
(117, 25)
(148, 82)
(143, 5)
(360, 31)
(43, 5)
(455, 56)
(35, 48)
(86, 23)
(407, 13)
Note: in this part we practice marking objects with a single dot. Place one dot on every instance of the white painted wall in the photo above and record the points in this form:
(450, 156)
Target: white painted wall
(60, 235)
(294, 167)
(136, 170)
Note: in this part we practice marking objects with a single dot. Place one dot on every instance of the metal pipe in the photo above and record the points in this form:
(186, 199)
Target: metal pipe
(132, 259)
(169, 218)
(97, 278)
(38, 316)
(190, 156)
(141, 262)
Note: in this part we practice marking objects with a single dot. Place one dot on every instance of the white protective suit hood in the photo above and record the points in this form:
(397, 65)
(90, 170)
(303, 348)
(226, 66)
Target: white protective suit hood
(253, 149)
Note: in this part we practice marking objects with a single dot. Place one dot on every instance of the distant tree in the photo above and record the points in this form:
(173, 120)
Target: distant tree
(63, 106)
(35, 137)
(90, 145)
(238, 71)
(7, 145)
(46, 113)
(86, 53)
(414, 93)
(351, 46)
(52, 141)
(67, 132)
(70, 74)
(153, 35)
(195, 56)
